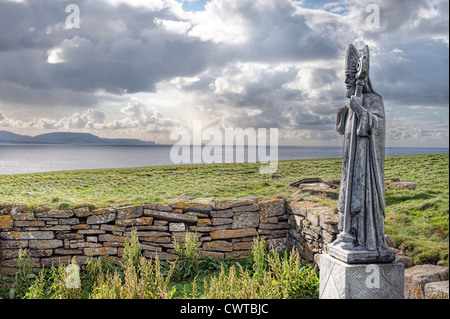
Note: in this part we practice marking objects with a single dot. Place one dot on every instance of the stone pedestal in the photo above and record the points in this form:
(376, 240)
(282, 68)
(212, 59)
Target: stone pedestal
(339, 280)
(360, 256)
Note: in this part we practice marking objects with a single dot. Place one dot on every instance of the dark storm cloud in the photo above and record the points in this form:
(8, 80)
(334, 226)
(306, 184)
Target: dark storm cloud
(259, 63)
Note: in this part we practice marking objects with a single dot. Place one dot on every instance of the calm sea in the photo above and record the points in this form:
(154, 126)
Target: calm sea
(19, 159)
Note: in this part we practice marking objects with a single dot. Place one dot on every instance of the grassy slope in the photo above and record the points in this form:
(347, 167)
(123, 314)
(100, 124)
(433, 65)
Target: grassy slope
(412, 216)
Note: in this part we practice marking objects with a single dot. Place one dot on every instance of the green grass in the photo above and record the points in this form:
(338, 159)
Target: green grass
(414, 218)
(100, 188)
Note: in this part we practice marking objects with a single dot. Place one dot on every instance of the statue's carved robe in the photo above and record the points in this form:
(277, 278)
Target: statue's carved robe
(367, 203)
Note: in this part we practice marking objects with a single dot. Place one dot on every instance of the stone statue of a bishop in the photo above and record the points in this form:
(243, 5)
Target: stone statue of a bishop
(361, 205)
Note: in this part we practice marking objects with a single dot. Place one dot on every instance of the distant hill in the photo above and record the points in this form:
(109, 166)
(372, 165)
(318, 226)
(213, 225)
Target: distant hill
(66, 138)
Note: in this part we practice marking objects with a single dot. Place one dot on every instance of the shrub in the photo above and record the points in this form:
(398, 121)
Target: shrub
(142, 278)
(24, 276)
(274, 276)
(188, 252)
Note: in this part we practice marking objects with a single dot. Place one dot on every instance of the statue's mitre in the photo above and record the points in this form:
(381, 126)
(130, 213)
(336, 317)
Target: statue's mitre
(352, 59)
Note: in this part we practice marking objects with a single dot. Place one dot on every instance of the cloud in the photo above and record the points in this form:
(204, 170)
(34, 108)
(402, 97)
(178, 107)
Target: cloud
(144, 67)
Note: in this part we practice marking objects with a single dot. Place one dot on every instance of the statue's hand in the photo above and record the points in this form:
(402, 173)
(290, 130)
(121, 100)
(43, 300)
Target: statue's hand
(356, 103)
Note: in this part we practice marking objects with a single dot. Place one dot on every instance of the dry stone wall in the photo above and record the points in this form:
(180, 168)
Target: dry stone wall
(313, 227)
(225, 229)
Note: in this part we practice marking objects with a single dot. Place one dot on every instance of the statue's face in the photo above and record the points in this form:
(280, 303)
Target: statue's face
(350, 83)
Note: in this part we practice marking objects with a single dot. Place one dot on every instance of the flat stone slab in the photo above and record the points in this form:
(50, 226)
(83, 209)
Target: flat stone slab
(360, 256)
(436, 290)
(417, 277)
(339, 280)
(173, 217)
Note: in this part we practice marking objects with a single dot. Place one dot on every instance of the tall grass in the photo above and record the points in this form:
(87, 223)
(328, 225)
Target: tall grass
(188, 252)
(275, 276)
(270, 275)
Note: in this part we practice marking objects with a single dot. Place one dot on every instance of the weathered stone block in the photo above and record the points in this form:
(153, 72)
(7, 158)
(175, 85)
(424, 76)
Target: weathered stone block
(221, 221)
(247, 208)
(69, 236)
(18, 209)
(220, 204)
(130, 212)
(63, 251)
(203, 222)
(321, 190)
(102, 218)
(41, 252)
(245, 220)
(158, 206)
(29, 223)
(45, 244)
(313, 215)
(55, 214)
(57, 227)
(84, 245)
(157, 240)
(106, 227)
(160, 255)
(237, 254)
(13, 244)
(301, 207)
(279, 244)
(6, 222)
(8, 253)
(69, 221)
(91, 239)
(418, 276)
(171, 216)
(227, 213)
(80, 227)
(339, 280)
(243, 245)
(91, 232)
(160, 223)
(177, 227)
(197, 205)
(437, 290)
(233, 233)
(201, 229)
(272, 207)
(141, 221)
(329, 222)
(82, 212)
(20, 215)
(18, 235)
(268, 220)
(296, 221)
(101, 251)
(218, 245)
(150, 247)
(213, 254)
(112, 238)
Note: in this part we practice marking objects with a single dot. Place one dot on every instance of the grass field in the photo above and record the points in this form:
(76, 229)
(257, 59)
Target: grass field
(417, 219)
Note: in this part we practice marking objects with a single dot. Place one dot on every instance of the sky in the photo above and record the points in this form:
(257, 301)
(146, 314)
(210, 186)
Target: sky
(144, 68)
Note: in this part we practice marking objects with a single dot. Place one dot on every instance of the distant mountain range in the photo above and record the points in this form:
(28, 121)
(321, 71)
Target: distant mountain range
(66, 138)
